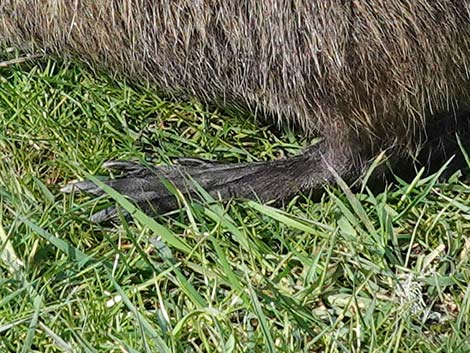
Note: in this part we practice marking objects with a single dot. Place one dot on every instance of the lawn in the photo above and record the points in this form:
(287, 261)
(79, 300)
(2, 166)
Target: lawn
(352, 272)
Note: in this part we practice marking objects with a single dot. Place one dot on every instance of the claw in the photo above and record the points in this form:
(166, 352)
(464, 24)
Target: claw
(106, 215)
(82, 186)
(124, 166)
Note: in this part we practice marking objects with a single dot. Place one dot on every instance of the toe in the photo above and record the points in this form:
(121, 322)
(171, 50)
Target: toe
(82, 186)
(105, 215)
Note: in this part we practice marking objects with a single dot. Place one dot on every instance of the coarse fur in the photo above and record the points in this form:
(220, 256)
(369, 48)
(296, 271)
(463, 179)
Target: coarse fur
(366, 75)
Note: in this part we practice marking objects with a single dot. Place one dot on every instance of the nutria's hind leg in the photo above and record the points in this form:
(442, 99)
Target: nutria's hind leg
(439, 143)
(446, 134)
(276, 180)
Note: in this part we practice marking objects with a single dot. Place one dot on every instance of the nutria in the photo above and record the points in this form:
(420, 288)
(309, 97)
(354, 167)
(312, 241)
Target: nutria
(367, 76)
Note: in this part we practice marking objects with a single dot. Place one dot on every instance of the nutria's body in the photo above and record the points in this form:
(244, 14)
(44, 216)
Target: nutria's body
(368, 76)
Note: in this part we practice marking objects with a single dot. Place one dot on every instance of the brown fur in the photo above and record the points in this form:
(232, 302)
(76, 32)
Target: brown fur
(366, 75)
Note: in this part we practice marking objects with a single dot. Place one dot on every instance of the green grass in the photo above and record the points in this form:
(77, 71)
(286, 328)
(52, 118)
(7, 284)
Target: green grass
(352, 273)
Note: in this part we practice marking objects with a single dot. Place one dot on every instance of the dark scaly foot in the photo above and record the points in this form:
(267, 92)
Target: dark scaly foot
(274, 180)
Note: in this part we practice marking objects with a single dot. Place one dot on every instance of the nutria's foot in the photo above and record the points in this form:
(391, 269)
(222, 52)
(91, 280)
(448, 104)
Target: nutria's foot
(141, 184)
(275, 180)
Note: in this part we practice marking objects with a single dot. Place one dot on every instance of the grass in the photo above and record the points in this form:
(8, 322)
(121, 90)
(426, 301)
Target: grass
(351, 273)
